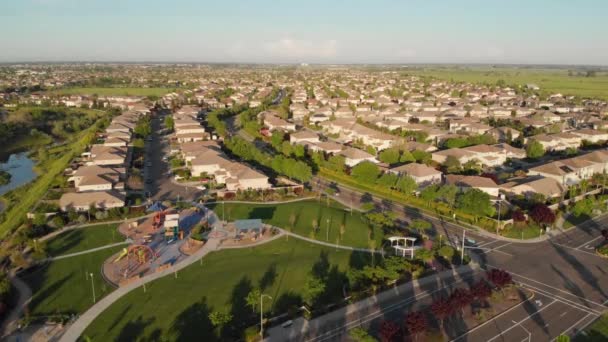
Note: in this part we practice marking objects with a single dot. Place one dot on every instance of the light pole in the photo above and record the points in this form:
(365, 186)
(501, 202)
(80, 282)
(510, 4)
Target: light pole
(327, 234)
(93, 287)
(262, 314)
(464, 232)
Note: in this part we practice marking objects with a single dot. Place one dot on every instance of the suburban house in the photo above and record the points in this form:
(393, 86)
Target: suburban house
(303, 136)
(464, 183)
(422, 174)
(274, 122)
(501, 133)
(107, 155)
(566, 172)
(354, 156)
(529, 186)
(97, 178)
(82, 201)
(328, 147)
(591, 135)
(558, 142)
(236, 176)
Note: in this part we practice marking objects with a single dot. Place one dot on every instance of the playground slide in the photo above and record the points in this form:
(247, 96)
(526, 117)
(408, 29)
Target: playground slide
(122, 255)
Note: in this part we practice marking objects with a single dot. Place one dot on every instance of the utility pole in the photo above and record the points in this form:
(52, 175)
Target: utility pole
(327, 237)
(464, 232)
(93, 287)
(499, 203)
(262, 314)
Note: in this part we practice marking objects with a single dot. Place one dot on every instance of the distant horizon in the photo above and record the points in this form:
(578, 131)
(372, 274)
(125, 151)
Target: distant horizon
(539, 32)
(416, 64)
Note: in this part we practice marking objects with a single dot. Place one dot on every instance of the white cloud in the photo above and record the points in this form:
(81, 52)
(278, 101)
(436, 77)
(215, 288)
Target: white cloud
(288, 48)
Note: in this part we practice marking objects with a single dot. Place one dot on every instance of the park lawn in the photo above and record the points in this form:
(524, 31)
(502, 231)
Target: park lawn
(596, 332)
(549, 80)
(177, 309)
(114, 91)
(61, 286)
(82, 239)
(356, 228)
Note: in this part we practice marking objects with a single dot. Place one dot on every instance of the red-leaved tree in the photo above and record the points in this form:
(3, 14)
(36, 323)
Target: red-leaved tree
(441, 309)
(500, 278)
(542, 214)
(388, 331)
(518, 216)
(481, 290)
(460, 299)
(416, 323)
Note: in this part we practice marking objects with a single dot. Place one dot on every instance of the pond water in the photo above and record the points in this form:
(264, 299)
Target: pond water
(21, 169)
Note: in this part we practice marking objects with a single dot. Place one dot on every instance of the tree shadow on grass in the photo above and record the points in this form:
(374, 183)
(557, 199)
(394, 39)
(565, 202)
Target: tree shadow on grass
(240, 311)
(50, 291)
(264, 213)
(62, 244)
(268, 277)
(134, 329)
(193, 323)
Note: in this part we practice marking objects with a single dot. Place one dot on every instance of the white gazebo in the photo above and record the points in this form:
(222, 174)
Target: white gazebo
(402, 245)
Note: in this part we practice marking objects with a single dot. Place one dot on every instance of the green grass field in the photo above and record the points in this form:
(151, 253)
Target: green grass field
(114, 91)
(62, 287)
(78, 240)
(177, 309)
(596, 332)
(356, 228)
(549, 80)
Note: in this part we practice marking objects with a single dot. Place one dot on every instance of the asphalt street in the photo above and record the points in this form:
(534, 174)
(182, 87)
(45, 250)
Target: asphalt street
(569, 281)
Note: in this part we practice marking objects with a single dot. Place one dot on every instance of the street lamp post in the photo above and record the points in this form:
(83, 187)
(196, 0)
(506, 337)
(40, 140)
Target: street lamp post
(327, 234)
(93, 287)
(464, 232)
(262, 314)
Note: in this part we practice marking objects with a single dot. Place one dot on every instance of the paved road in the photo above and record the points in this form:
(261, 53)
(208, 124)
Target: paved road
(163, 187)
(568, 279)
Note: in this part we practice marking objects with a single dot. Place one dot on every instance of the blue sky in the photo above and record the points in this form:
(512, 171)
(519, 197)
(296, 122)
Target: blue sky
(313, 31)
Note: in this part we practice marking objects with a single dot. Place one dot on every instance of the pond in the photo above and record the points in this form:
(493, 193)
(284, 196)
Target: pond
(21, 169)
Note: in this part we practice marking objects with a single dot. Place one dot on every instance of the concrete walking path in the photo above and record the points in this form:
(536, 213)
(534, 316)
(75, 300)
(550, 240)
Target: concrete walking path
(11, 322)
(92, 250)
(75, 330)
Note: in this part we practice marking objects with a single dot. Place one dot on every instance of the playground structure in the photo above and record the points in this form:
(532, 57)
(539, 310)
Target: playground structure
(401, 245)
(159, 218)
(136, 257)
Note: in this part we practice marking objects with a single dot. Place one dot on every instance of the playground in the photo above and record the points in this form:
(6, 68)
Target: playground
(157, 242)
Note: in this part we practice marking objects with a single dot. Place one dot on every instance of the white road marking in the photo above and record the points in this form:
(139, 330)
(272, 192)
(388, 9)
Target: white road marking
(563, 314)
(574, 249)
(520, 322)
(590, 241)
(572, 326)
(554, 288)
(568, 302)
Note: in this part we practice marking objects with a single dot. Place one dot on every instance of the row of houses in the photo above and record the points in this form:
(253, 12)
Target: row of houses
(100, 179)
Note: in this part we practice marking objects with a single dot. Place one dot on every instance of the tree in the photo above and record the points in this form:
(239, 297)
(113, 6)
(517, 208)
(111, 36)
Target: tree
(472, 166)
(359, 334)
(452, 164)
(583, 207)
(389, 156)
(425, 255)
(534, 149)
(500, 278)
(475, 202)
(430, 193)
(169, 122)
(406, 185)
(313, 289)
(441, 309)
(447, 252)
(336, 163)
(366, 172)
(460, 298)
(388, 179)
(480, 290)
(407, 157)
(448, 194)
(562, 338)
(43, 154)
(253, 299)
(421, 226)
(388, 331)
(416, 323)
(542, 214)
(220, 318)
(518, 216)
(382, 220)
